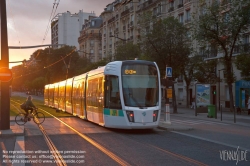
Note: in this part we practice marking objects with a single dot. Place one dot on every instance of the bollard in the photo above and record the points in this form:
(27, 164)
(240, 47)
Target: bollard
(168, 114)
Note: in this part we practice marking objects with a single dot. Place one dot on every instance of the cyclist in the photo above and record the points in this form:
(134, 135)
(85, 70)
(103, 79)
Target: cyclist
(29, 106)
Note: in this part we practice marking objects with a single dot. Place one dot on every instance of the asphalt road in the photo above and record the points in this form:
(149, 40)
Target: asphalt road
(209, 142)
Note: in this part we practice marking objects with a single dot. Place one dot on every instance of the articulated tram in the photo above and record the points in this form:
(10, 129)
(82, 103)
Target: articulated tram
(122, 94)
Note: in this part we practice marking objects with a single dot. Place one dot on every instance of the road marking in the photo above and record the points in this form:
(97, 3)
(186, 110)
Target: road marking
(195, 122)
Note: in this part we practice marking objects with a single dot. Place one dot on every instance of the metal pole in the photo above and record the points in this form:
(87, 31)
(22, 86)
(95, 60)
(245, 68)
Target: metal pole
(234, 115)
(195, 105)
(219, 90)
(5, 92)
(221, 112)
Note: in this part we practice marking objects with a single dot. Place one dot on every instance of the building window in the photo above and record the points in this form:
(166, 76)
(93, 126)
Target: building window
(91, 43)
(181, 18)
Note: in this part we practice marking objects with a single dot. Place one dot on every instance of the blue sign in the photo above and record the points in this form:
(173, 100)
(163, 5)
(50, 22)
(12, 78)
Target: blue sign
(169, 71)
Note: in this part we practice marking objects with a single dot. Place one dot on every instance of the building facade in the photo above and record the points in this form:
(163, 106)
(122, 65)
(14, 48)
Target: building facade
(66, 27)
(90, 39)
(121, 22)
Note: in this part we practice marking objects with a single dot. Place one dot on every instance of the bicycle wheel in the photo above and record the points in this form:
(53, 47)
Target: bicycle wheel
(39, 118)
(20, 119)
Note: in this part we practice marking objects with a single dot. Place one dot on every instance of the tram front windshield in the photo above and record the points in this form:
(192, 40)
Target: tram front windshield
(140, 85)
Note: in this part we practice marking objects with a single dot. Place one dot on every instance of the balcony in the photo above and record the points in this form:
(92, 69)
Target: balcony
(131, 23)
(242, 48)
(116, 30)
(124, 13)
(187, 1)
(180, 5)
(147, 5)
(131, 8)
(188, 20)
(171, 9)
(111, 20)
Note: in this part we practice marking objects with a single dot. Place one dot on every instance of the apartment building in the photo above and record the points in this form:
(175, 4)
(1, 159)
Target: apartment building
(90, 39)
(66, 27)
(120, 22)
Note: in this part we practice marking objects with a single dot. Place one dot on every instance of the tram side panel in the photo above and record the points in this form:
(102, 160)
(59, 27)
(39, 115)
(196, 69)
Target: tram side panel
(68, 94)
(46, 95)
(78, 96)
(61, 97)
(56, 95)
(94, 99)
(51, 95)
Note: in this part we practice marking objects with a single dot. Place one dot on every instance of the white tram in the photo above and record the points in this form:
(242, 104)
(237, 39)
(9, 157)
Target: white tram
(122, 94)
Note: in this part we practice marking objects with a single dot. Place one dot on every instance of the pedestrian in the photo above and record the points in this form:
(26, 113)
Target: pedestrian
(248, 107)
(193, 102)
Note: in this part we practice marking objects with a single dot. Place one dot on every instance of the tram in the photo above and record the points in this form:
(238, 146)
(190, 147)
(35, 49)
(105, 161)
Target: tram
(122, 94)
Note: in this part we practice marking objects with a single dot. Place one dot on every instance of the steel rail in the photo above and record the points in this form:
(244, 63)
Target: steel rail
(56, 155)
(180, 157)
(94, 143)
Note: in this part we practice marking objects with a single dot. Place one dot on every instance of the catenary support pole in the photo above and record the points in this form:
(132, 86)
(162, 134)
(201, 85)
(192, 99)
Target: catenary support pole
(5, 86)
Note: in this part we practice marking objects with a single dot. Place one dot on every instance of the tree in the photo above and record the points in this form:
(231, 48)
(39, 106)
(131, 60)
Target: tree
(220, 27)
(242, 63)
(127, 51)
(165, 42)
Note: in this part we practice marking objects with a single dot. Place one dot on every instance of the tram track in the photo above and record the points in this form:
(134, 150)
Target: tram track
(113, 156)
(179, 157)
(57, 156)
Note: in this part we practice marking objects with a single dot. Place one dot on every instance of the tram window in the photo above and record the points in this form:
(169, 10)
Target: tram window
(112, 95)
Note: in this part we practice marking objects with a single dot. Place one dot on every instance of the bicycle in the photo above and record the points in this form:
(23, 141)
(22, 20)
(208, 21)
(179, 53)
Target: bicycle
(38, 117)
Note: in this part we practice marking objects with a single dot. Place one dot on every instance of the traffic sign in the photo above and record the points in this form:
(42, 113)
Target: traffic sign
(5, 74)
(169, 71)
(169, 93)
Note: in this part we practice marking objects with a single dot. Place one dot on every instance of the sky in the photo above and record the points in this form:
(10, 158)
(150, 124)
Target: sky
(28, 21)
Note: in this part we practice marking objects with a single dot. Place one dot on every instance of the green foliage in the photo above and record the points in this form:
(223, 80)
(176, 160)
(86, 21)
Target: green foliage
(38, 83)
(242, 63)
(127, 51)
(166, 43)
(219, 28)
(205, 71)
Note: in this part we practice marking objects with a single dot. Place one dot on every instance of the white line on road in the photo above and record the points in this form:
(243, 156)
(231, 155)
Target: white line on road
(198, 122)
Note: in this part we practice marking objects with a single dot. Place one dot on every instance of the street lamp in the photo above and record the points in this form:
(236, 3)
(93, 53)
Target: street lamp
(219, 92)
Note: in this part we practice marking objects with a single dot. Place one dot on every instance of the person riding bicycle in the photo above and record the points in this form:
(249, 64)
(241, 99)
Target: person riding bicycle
(29, 106)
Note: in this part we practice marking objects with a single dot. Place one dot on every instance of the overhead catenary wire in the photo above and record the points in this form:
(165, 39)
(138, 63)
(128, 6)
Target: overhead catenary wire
(45, 67)
(48, 26)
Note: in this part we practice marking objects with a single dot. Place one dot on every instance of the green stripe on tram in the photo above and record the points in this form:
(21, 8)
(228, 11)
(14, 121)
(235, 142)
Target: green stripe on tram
(113, 112)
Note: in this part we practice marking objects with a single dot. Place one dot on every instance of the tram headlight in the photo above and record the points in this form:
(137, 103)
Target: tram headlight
(155, 115)
(130, 115)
